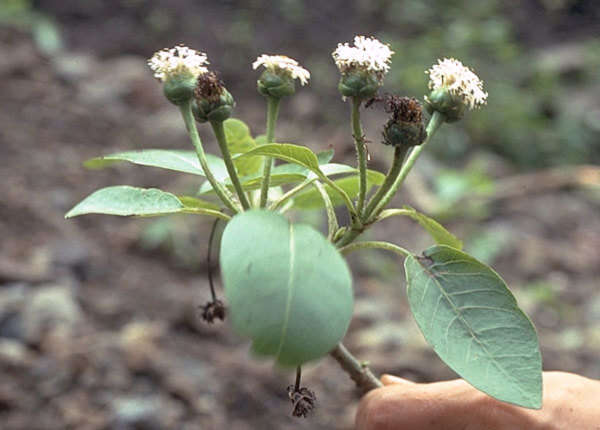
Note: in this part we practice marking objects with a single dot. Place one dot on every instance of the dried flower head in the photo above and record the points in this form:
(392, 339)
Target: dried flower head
(368, 54)
(303, 401)
(405, 127)
(176, 61)
(458, 80)
(212, 310)
(209, 87)
(283, 64)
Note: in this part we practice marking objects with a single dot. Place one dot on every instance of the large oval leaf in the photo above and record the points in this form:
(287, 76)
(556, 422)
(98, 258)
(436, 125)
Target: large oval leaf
(288, 288)
(472, 320)
(124, 200)
(179, 161)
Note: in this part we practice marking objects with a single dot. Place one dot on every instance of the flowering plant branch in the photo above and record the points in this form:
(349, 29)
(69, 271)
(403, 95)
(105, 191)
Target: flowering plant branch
(287, 286)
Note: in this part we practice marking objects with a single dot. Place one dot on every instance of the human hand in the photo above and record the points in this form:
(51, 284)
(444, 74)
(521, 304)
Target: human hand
(570, 402)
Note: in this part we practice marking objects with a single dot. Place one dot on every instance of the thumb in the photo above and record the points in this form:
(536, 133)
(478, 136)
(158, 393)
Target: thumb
(394, 380)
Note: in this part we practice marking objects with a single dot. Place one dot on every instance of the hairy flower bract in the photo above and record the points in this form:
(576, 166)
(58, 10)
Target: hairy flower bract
(281, 63)
(177, 61)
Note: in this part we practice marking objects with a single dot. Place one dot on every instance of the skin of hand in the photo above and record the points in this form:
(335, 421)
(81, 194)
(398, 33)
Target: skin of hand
(570, 402)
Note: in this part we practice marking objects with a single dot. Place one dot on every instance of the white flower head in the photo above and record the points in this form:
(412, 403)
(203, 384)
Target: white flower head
(458, 80)
(281, 63)
(179, 60)
(368, 54)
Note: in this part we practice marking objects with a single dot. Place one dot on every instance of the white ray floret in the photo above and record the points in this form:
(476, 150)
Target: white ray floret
(178, 61)
(277, 63)
(368, 54)
(459, 81)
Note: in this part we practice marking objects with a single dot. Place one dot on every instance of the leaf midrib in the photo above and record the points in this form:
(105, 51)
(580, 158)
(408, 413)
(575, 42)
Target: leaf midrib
(290, 291)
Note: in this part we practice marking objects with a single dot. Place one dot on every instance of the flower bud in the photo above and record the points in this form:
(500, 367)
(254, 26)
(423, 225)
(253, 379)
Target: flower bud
(179, 89)
(278, 79)
(275, 85)
(212, 101)
(442, 101)
(454, 88)
(358, 84)
(178, 68)
(362, 66)
(405, 127)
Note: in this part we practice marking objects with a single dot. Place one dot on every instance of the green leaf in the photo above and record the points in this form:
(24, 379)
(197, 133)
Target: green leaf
(180, 161)
(472, 320)
(325, 156)
(124, 200)
(288, 289)
(196, 203)
(311, 199)
(240, 141)
(434, 228)
(236, 132)
(288, 152)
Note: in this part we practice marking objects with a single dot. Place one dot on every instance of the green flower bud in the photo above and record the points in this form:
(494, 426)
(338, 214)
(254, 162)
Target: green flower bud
(405, 127)
(454, 89)
(212, 101)
(363, 85)
(218, 110)
(451, 106)
(178, 68)
(179, 89)
(277, 85)
(278, 79)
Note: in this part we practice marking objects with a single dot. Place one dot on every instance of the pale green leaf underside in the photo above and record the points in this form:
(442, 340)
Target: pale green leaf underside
(434, 228)
(311, 199)
(179, 161)
(125, 200)
(288, 289)
(472, 320)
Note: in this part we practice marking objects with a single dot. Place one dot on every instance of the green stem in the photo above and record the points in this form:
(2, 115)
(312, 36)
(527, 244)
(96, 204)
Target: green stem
(347, 201)
(332, 222)
(361, 155)
(359, 371)
(209, 212)
(217, 127)
(399, 155)
(435, 122)
(272, 113)
(190, 124)
(350, 235)
(291, 193)
(374, 244)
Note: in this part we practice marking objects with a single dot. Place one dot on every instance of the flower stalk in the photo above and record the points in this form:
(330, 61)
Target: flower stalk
(361, 154)
(272, 114)
(219, 131)
(190, 124)
(435, 122)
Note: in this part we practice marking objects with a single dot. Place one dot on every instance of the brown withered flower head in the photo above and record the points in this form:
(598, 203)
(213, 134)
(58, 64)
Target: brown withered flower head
(405, 127)
(303, 401)
(212, 310)
(209, 87)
